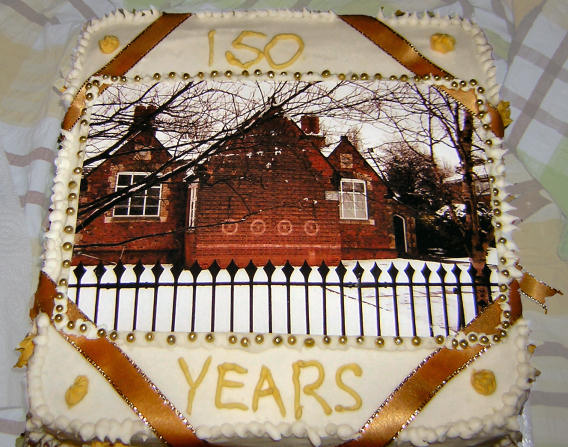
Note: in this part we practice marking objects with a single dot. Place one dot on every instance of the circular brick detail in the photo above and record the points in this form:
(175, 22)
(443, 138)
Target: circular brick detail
(311, 228)
(230, 228)
(257, 226)
(284, 227)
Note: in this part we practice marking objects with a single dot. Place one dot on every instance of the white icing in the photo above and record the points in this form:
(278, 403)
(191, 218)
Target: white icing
(55, 364)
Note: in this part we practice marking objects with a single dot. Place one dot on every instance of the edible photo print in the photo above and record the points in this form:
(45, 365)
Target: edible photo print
(335, 208)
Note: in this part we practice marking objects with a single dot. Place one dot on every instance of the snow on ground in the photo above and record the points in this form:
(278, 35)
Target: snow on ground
(366, 308)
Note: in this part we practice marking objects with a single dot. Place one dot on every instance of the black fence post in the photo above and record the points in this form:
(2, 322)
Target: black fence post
(176, 270)
(427, 273)
(251, 271)
(323, 270)
(358, 270)
(157, 270)
(306, 270)
(100, 270)
(79, 272)
(214, 269)
(409, 270)
(376, 272)
(341, 270)
(195, 270)
(138, 270)
(461, 314)
(232, 268)
(119, 270)
(442, 274)
(393, 272)
(269, 270)
(288, 270)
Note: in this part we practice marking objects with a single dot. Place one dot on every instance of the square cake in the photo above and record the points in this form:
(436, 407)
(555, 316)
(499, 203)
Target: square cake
(279, 228)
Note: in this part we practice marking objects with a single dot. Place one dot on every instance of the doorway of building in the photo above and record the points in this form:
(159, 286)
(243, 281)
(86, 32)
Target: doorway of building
(400, 235)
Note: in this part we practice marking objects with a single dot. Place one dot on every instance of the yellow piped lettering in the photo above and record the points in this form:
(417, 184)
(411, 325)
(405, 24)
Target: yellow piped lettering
(271, 390)
(211, 40)
(239, 45)
(309, 390)
(223, 369)
(274, 41)
(193, 385)
(356, 369)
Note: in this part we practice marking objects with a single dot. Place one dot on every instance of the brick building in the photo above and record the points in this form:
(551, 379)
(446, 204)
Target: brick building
(271, 194)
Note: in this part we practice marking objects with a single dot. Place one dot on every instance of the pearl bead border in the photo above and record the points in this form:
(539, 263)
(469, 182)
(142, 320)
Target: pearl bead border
(69, 171)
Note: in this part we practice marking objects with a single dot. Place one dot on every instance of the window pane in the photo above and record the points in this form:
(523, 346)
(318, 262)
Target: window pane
(154, 192)
(348, 198)
(136, 201)
(120, 211)
(348, 213)
(152, 202)
(151, 211)
(358, 187)
(360, 201)
(123, 180)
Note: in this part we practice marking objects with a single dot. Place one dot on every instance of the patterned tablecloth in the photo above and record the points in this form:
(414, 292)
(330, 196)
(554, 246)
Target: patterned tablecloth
(530, 38)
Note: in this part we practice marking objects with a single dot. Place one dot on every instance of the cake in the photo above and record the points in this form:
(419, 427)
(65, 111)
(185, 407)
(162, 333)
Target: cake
(272, 228)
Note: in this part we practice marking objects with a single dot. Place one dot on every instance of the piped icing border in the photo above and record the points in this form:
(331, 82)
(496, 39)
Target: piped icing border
(60, 236)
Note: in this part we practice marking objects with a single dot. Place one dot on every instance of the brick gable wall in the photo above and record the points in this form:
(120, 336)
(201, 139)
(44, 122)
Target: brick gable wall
(265, 198)
(165, 241)
(374, 237)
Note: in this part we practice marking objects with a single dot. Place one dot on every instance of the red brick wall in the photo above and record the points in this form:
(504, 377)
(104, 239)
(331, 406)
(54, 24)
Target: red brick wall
(265, 199)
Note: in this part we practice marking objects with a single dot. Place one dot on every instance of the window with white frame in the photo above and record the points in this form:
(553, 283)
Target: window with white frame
(353, 199)
(145, 202)
(192, 206)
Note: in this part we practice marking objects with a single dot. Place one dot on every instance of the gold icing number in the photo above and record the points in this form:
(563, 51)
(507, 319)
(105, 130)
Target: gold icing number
(258, 54)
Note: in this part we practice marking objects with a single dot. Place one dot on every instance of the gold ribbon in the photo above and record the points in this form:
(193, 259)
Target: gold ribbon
(124, 376)
(536, 290)
(125, 60)
(402, 51)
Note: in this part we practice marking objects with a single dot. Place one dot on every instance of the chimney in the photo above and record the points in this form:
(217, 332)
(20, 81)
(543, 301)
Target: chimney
(310, 124)
(143, 118)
